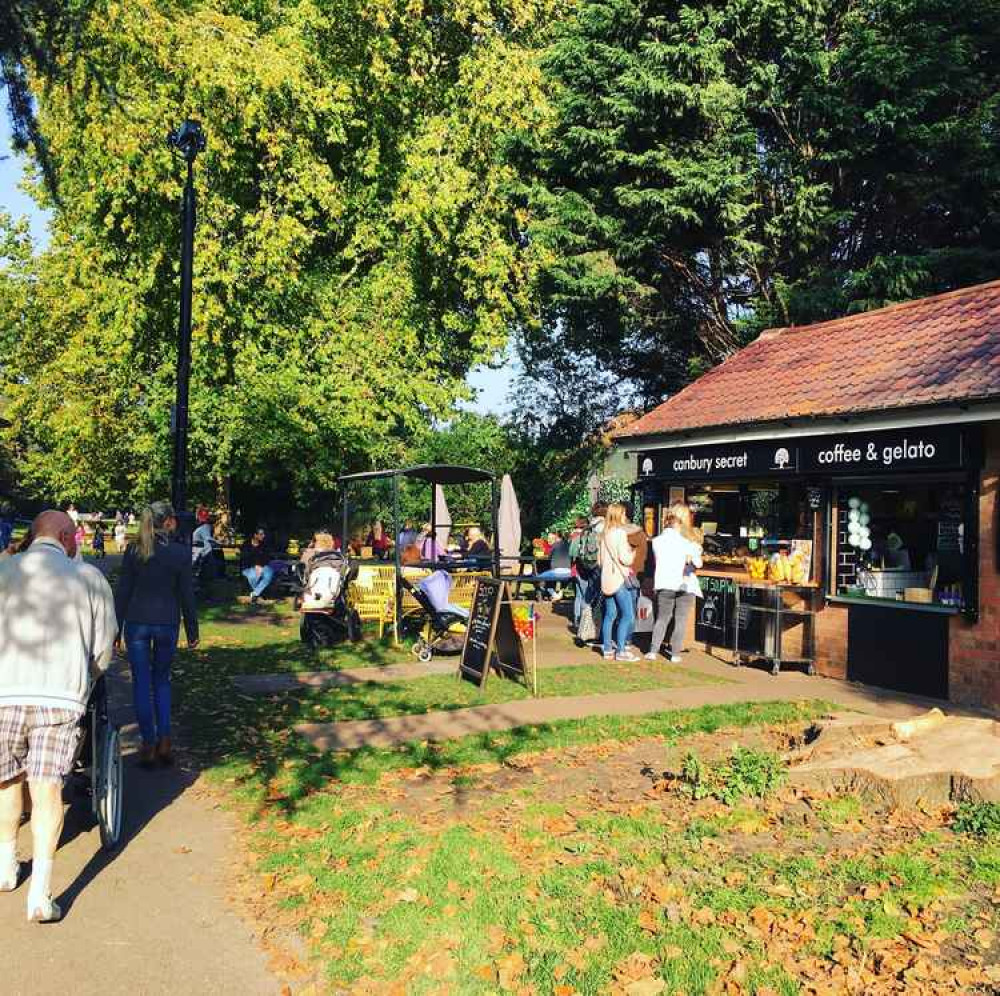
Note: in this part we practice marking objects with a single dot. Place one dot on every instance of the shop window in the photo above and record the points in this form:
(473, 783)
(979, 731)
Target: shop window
(901, 540)
(749, 520)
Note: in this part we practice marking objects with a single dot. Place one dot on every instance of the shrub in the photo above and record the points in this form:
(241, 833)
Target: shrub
(746, 773)
(980, 819)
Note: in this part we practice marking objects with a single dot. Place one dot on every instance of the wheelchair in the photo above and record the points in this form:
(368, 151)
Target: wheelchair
(98, 768)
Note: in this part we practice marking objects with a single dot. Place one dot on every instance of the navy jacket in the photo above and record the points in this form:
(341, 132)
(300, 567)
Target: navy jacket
(159, 590)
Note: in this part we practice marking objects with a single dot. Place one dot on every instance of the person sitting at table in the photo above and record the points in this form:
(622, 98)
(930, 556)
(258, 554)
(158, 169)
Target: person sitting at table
(477, 545)
(560, 563)
(430, 549)
(378, 540)
(322, 542)
(408, 535)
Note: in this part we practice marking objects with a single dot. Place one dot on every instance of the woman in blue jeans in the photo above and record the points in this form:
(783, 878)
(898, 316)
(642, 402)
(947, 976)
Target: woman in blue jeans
(155, 589)
(615, 555)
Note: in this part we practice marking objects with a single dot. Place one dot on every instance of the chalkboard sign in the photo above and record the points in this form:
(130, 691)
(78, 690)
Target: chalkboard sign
(474, 664)
(491, 641)
(712, 622)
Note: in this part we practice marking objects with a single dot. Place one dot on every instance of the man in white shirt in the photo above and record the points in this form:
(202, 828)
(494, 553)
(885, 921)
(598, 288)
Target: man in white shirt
(57, 628)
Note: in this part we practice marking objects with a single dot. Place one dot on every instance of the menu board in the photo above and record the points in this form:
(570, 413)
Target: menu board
(491, 639)
(712, 624)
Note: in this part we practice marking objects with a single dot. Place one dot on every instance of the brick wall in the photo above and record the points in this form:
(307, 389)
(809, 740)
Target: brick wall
(974, 649)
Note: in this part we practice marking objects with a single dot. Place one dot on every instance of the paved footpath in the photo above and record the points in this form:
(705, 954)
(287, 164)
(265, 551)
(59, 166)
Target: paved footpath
(742, 685)
(152, 918)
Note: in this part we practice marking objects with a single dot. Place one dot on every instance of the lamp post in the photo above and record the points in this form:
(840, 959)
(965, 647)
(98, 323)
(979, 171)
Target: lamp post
(188, 140)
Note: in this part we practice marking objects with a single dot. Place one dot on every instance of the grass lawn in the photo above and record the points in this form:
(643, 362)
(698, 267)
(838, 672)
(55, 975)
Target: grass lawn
(570, 858)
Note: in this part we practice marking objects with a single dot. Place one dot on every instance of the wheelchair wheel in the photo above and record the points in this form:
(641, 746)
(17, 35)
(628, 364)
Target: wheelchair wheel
(107, 777)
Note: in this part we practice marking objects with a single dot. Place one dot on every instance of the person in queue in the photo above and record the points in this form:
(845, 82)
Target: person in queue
(584, 557)
(255, 564)
(640, 544)
(615, 556)
(677, 555)
(58, 619)
(154, 591)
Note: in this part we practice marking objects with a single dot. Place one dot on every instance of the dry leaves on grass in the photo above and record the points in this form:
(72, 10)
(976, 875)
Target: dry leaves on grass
(636, 976)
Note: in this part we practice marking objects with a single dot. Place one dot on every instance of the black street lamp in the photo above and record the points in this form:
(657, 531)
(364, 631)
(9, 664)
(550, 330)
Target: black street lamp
(188, 140)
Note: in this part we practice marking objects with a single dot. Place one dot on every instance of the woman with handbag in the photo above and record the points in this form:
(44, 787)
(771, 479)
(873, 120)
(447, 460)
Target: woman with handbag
(615, 556)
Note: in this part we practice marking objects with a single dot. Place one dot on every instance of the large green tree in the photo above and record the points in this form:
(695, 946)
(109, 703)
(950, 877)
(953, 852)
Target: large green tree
(718, 167)
(355, 252)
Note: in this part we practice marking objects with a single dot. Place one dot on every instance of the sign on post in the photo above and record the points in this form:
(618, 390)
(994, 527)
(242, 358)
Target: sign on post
(491, 639)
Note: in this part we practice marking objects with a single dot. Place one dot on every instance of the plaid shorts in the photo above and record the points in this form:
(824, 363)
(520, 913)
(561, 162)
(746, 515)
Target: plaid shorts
(39, 741)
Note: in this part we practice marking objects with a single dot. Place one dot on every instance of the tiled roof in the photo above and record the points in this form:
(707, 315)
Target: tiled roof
(926, 352)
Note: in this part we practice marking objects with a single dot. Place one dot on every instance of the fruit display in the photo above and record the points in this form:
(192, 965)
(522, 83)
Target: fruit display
(757, 568)
(785, 569)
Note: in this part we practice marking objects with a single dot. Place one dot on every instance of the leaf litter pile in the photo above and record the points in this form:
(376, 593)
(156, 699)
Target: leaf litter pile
(600, 867)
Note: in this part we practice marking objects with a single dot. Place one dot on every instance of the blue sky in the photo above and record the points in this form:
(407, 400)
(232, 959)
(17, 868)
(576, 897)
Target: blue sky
(491, 386)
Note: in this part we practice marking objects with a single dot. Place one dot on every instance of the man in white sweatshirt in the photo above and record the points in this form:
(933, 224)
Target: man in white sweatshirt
(57, 630)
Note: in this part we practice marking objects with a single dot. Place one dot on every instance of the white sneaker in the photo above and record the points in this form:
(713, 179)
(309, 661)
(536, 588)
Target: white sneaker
(651, 656)
(46, 911)
(8, 878)
(627, 656)
(608, 655)
(676, 659)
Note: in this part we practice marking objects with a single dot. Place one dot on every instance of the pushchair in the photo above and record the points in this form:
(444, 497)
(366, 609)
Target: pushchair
(98, 769)
(326, 614)
(442, 624)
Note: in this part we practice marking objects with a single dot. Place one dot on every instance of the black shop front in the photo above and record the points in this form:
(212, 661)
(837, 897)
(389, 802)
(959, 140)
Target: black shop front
(843, 544)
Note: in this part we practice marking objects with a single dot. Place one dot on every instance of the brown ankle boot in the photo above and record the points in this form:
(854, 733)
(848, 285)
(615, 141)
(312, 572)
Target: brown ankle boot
(147, 754)
(163, 752)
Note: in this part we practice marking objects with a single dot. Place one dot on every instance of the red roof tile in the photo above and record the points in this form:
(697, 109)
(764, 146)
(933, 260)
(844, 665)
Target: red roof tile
(926, 352)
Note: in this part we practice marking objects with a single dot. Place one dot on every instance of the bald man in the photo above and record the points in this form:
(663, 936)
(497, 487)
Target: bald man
(57, 629)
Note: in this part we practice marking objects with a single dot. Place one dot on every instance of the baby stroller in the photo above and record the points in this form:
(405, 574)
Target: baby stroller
(326, 616)
(97, 769)
(442, 624)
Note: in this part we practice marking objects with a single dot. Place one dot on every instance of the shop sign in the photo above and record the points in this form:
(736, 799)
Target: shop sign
(927, 448)
(719, 462)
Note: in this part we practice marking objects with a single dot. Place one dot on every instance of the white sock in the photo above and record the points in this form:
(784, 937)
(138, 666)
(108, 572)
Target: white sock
(41, 881)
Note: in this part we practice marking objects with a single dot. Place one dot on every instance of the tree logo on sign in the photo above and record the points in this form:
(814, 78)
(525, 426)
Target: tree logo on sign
(782, 458)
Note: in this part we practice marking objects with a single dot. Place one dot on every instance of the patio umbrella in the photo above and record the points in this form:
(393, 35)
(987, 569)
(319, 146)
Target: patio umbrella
(442, 518)
(509, 527)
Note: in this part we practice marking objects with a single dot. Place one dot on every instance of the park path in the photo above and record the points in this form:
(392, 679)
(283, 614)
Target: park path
(152, 918)
(740, 685)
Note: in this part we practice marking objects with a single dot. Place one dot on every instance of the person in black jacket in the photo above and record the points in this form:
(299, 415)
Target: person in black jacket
(155, 589)
(255, 564)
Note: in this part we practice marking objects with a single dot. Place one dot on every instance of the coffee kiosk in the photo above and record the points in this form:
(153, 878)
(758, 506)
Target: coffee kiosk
(858, 539)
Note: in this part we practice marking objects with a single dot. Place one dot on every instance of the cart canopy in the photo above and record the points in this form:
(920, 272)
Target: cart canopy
(431, 473)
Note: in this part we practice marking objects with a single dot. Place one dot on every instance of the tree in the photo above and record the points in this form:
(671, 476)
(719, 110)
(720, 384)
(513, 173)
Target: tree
(720, 167)
(355, 253)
